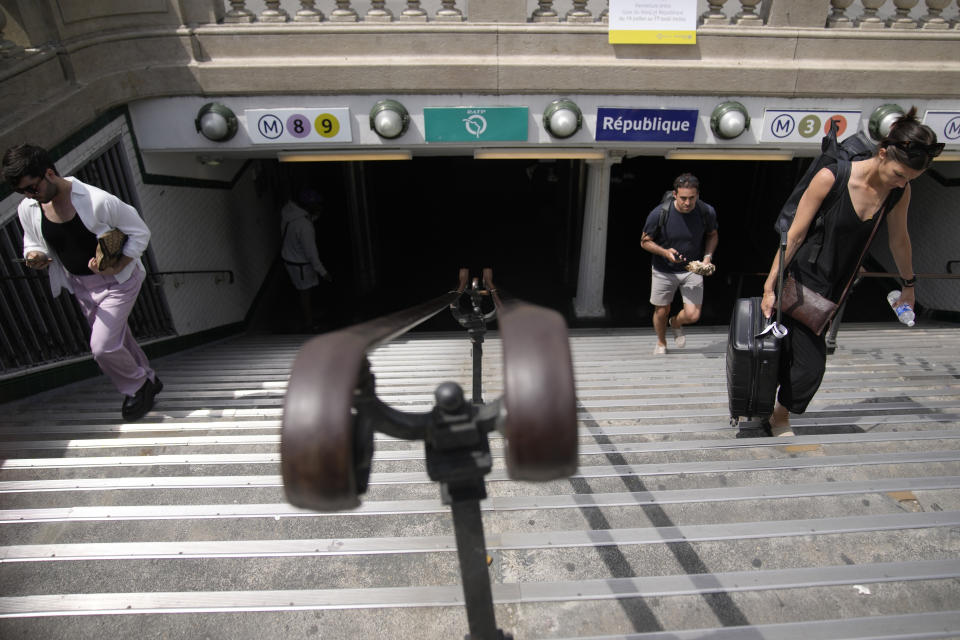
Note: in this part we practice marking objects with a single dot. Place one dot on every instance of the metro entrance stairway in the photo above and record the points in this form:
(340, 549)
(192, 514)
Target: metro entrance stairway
(672, 527)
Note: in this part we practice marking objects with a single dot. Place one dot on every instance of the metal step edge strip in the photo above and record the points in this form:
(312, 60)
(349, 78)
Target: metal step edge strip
(909, 626)
(463, 368)
(495, 541)
(426, 388)
(426, 404)
(382, 597)
(495, 504)
(809, 419)
(852, 390)
(724, 412)
(680, 371)
(641, 365)
(710, 466)
(496, 449)
(493, 378)
(666, 496)
(721, 413)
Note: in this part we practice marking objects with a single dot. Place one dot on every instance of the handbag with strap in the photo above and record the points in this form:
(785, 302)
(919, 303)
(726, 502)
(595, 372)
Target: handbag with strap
(806, 306)
(110, 249)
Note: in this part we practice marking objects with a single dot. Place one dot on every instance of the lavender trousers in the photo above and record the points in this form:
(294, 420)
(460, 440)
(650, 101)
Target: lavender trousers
(107, 304)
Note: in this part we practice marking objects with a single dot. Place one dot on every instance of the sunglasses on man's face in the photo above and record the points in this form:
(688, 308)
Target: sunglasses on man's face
(915, 149)
(33, 189)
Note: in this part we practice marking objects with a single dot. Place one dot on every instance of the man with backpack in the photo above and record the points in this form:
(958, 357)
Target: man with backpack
(681, 233)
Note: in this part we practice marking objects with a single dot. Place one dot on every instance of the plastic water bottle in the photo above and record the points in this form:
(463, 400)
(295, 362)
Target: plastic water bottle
(903, 311)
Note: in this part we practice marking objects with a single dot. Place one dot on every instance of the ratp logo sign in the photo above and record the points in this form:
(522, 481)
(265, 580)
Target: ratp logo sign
(475, 124)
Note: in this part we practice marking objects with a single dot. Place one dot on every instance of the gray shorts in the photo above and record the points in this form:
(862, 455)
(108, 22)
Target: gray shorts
(663, 286)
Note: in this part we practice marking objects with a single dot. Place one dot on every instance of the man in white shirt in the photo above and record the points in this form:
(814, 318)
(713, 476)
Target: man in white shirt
(62, 219)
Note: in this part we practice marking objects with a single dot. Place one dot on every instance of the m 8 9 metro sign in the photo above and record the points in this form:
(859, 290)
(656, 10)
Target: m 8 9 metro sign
(293, 126)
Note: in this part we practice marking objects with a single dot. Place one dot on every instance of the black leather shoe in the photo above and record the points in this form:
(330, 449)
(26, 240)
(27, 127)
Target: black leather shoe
(157, 385)
(136, 406)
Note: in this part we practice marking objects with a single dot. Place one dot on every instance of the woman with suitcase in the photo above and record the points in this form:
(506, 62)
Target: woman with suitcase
(823, 256)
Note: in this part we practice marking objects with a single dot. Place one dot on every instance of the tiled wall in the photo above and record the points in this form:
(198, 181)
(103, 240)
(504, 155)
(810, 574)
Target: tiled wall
(194, 228)
(210, 229)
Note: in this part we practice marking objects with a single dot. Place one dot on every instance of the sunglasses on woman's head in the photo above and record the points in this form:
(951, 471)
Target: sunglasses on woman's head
(914, 148)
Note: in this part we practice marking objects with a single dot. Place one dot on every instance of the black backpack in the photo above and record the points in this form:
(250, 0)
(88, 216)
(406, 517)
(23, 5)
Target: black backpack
(665, 203)
(858, 147)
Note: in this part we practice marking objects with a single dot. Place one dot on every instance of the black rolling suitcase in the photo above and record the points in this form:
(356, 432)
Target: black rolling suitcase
(753, 356)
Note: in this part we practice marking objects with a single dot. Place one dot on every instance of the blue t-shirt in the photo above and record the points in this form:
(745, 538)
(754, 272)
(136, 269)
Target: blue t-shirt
(684, 232)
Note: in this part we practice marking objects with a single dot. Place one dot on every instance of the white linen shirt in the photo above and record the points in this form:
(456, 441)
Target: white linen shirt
(100, 212)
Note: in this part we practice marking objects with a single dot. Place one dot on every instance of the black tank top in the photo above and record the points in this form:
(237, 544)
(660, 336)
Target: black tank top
(829, 253)
(73, 242)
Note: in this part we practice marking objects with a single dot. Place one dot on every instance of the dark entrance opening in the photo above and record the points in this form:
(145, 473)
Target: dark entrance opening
(394, 234)
(435, 215)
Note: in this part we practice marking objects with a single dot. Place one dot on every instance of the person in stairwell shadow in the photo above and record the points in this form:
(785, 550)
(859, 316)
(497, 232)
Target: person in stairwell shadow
(62, 218)
(298, 251)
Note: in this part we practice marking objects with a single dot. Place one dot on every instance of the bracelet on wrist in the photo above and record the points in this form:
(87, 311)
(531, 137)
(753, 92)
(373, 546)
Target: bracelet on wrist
(909, 282)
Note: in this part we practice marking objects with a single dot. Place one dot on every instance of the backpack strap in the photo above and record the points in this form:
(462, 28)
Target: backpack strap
(662, 220)
(840, 180)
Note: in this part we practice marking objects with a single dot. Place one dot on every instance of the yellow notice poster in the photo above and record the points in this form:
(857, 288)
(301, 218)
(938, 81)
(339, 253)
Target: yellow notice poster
(653, 22)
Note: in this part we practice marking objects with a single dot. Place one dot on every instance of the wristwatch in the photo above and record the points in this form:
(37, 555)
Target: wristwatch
(909, 282)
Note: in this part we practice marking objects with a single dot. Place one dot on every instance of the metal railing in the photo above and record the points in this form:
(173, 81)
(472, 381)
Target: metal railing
(158, 276)
(331, 411)
(948, 275)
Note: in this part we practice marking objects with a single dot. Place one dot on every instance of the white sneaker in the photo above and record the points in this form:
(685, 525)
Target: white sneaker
(679, 339)
(659, 350)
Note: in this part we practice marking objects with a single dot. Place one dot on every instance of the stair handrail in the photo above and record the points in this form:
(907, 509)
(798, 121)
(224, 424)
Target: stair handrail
(331, 412)
(319, 403)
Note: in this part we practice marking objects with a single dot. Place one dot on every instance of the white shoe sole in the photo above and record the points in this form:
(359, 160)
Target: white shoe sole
(678, 338)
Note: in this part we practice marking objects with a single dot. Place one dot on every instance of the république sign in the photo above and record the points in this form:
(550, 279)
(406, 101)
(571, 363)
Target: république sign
(646, 125)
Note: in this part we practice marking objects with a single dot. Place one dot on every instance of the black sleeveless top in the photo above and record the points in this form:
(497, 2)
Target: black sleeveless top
(828, 256)
(73, 242)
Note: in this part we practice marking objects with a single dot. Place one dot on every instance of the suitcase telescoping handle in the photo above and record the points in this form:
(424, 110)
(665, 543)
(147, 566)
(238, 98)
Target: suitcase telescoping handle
(783, 253)
(774, 327)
